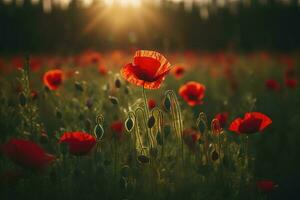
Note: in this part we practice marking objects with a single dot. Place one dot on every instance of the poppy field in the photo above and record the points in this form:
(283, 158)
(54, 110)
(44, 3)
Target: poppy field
(146, 124)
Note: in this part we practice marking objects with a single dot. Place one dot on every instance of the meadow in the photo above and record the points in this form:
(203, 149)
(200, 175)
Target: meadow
(149, 125)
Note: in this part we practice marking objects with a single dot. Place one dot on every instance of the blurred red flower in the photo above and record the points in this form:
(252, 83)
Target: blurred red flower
(291, 83)
(26, 153)
(53, 79)
(178, 71)
(102, 69)
(192, 92)
(222, 117)
(251, 123)
(266, 185)
(148, 69)
(80, 143)
(151, 104)
(272, 84)
(191, 137)
(117, 128)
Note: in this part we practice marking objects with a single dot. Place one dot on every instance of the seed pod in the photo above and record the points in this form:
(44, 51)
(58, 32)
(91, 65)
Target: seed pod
(98, 131)
(117, 83)
(113, 100)
(129, 124)
(78, 86)
(167, 104)
(125, 171)
(151, 121)
(22, 99)
(143, 159)
(214, 156)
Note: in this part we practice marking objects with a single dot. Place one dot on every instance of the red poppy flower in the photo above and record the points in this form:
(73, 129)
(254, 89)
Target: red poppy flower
(266, 185)
(222, 117)
(151, 104)
(291, 83)
(27, 154)
(251, 123)
(178, 71)
(102, 69)
(148, 69)
(117, 128)
(80, 143)
(192, 92)
(53, 79)
(272, 84)
(191, 137)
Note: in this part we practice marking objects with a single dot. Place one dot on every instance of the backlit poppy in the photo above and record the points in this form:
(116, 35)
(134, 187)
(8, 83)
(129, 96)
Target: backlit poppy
(192, 92)
(148, 69)
(53, 79)
(102, 69)
(117, 128)
(178, 71)
(222, 117)
(80, 143)
(251, 123)
(272, 84)
(27, 154)
(266, 185)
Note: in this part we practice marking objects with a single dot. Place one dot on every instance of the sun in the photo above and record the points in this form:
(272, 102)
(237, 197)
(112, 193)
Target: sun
(124, 3)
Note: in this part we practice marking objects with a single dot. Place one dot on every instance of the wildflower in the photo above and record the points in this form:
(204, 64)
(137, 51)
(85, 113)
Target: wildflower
(266, 185)
(191, 137)
(26, 153)
(272, 84)
(80, 143)
(53, 79)
(178, 71)
(222, 117)
(148, 69)
(151, 104)
(251, 123)
(192, 92)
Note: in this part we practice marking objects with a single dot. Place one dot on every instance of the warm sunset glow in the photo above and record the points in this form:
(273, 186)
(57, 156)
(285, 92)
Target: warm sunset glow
(123, 2)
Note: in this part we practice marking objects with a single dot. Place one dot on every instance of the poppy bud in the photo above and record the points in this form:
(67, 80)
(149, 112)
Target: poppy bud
(151, 122)
(22, 99)
(129, 124)
(143, 159)
(201, 126)
(214, 156)
(113, 100)
(125, 171)
(117, 83)
(78, 86)
(98, 131)
(167, 104)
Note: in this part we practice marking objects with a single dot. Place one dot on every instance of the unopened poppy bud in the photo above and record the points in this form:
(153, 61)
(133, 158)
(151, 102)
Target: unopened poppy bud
(167, 104)
(78, 86)
(143, 159)
(214, 156)
(98, 131)
(215, 126)
(117, 83)
(113, 100)
(129, 124)
(22, 99)
(151, 122)
(201, 126)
